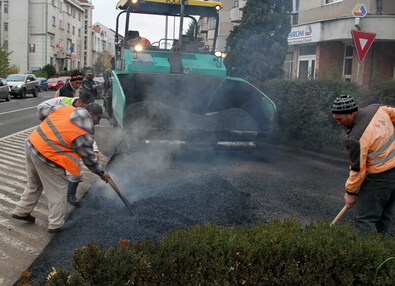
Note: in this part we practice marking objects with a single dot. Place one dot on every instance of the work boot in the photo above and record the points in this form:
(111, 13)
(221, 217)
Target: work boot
(68, 224)
(29, 218)
(71, 191)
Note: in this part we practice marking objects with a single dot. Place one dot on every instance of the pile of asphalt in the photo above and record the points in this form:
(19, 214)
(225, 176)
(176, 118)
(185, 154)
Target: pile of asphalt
(156, 210)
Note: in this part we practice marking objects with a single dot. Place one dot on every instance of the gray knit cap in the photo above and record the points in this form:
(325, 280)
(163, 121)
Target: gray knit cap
(344, 104)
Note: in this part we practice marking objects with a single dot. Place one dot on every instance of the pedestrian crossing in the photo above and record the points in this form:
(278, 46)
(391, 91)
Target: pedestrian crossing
(20, 242)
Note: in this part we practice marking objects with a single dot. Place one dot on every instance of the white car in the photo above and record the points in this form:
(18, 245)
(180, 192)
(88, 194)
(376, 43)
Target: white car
(4, 90)
(22, 84)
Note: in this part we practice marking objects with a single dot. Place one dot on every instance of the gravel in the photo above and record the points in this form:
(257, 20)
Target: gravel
(229, 188)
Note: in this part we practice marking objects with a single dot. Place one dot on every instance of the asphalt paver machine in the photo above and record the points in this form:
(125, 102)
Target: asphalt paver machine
(174, 88)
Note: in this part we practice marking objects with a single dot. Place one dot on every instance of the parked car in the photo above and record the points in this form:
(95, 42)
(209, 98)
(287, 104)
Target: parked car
(4, 90)
(22, 84)
(54, 83)
(42, 84)
(64, 79)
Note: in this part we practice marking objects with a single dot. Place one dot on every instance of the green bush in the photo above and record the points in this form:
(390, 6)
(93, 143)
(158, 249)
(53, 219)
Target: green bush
(277, 253)
(304, 118)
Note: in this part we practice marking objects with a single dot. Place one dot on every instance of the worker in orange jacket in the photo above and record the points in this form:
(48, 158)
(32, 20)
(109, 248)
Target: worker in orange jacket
(370, 187)
(57, 145)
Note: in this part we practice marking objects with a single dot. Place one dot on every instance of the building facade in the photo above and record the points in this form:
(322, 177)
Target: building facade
(56, 32)
(103, 40)
(321, 45)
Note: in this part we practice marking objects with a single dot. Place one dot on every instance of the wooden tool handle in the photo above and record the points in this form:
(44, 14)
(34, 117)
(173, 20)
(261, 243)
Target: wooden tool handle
(339, 215)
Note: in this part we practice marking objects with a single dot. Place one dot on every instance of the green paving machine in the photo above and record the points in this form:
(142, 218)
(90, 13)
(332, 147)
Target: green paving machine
(170, 85)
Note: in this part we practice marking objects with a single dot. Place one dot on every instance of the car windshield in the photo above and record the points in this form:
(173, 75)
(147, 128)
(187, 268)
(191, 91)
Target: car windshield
(16, 77)
(52, 80)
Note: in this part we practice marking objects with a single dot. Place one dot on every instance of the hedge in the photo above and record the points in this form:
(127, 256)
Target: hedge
(276, 253)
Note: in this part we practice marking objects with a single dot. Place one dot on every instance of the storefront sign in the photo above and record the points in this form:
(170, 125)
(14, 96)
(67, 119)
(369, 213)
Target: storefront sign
(305, 34)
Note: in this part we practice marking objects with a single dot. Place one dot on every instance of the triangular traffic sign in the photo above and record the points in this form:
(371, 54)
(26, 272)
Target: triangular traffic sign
(363, 41)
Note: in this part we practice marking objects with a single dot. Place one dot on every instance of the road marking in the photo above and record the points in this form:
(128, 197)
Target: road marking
(17, 133)
(17, 110)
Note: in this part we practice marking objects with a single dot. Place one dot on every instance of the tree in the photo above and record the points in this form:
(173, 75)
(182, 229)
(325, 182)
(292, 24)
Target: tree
(4, 62)
(103, 63)
(50, 70)
(256, 48)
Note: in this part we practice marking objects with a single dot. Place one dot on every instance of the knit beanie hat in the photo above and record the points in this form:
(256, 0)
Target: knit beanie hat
(76, 77)
(344, 104)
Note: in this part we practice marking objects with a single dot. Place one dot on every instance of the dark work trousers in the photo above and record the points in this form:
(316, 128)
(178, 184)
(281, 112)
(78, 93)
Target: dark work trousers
(375, 205)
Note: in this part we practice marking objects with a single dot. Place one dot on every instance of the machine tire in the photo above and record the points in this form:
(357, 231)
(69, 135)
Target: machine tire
(23, 93)
(8, 98)
(35, 92)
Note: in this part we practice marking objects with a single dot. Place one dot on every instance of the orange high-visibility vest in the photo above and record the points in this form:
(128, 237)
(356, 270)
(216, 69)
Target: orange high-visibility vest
(53, 138)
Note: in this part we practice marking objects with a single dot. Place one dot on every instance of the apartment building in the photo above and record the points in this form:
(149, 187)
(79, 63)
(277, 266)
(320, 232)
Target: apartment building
(103, 39)
(57, 32)
(321, 44)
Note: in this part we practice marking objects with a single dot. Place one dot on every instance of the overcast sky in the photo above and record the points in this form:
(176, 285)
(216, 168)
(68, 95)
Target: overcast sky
(104, 12)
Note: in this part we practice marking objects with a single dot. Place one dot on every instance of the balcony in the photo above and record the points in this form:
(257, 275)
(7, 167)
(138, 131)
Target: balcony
(235, 15)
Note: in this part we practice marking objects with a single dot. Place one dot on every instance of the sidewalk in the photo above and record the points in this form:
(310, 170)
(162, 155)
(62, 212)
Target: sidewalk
(21, 243)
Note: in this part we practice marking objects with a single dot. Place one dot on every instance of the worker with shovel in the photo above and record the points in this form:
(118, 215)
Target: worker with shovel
(57, 145)
(44, 109)
(370, 187)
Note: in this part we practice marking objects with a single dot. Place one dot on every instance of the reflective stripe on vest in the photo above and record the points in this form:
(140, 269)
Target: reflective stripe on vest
(54, 136)
(381, 150)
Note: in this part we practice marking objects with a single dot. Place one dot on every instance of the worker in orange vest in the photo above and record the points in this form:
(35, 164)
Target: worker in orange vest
(57, 145)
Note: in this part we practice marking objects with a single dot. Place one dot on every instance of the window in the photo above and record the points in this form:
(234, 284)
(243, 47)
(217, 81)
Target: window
(332, 1)
(5, 7)
(211, 23)
(5, 26)
(73, 30)
(306, 62)
(307, 50)
(79, 32)
(68, 28)
(53, 21)
(288, 65)
(348, 53)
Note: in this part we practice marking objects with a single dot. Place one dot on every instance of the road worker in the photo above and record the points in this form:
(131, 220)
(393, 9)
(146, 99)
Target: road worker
(57, 145)
(89, 84)
(135, 40)
(70, 88)
(44, 109)
(370, 187)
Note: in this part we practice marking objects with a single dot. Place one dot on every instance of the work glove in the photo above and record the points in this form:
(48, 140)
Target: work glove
(106, 177)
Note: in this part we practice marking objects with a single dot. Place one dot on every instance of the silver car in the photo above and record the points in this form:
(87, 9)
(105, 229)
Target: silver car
(22, 84)
(4, 90)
